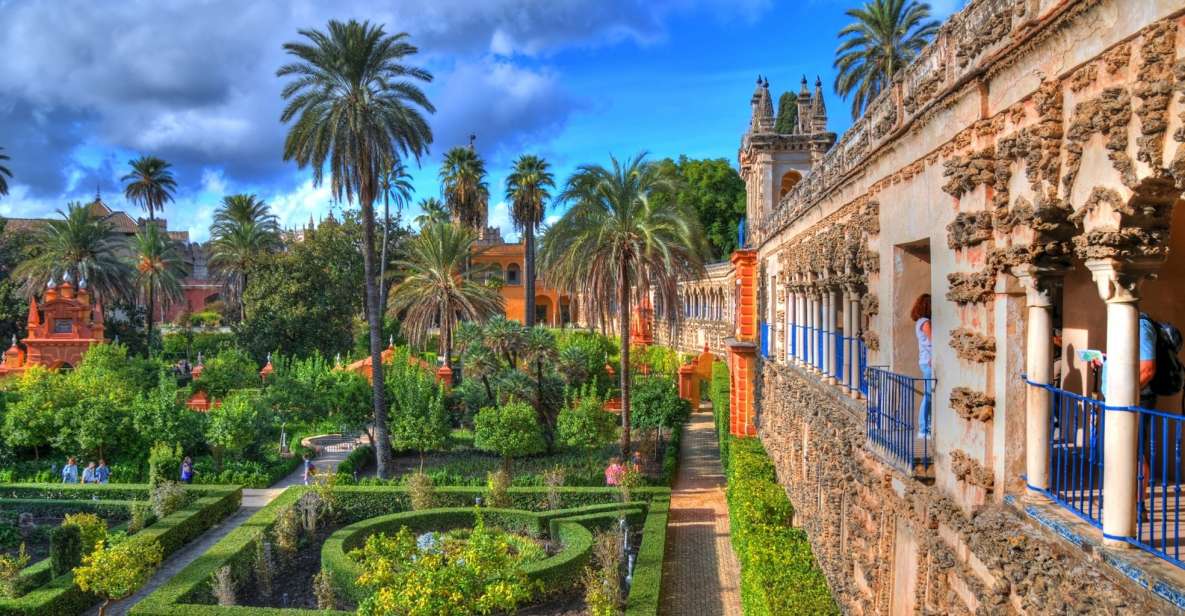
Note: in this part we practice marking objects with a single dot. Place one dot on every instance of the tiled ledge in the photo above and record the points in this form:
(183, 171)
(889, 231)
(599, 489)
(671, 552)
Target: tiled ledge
(1162, 578)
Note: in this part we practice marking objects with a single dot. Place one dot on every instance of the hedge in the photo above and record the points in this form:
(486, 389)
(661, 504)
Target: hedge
(59, 596)
(187, 591)
(778, 571)
(718, 393)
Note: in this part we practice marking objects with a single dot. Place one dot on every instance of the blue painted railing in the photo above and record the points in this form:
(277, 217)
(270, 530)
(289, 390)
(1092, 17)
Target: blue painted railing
(764, 340)
(1076, 427)
(794, 340)
(838, 370)
(893, 406)
(1159, 520)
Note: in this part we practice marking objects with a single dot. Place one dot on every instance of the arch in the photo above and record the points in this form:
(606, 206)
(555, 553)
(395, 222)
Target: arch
(789, 180)
(514, 274)
(544, 310)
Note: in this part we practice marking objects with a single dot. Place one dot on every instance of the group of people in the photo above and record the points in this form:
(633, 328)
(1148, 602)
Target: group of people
(93, 473)
(615, 472)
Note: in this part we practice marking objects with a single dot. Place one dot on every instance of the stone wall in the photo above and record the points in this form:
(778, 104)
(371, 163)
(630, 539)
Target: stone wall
(865, 519)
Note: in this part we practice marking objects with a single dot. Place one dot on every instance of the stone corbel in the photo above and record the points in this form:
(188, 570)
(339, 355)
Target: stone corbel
(1039, 283)
(1118, 280)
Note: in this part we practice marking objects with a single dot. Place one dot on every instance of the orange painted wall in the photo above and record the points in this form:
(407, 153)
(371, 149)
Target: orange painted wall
(504, 255)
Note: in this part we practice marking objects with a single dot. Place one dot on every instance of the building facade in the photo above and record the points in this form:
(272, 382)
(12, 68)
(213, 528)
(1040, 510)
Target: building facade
(1024, 172)
(506, 261)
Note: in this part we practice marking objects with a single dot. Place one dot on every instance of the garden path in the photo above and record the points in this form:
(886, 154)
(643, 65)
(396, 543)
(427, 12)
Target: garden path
(253, 501)
(700, 572)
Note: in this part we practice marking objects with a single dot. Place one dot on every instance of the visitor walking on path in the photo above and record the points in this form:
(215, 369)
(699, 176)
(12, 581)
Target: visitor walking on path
(103, 472)
(88, 474)
(187, 470)
(70, 471)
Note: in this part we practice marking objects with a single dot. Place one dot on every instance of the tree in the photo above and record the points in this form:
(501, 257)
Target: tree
(394, 186)
(434, 212)
(510, 430)
(527, 190)
(117, 571)
(227, 371)
(4, 173)
(539, 350)
(159, 415)
(358, 110)
(32, 409)
(15, 246)
(150, 184)
(244, 231)
(463, 180)
(418, 418)
(305, 299)
(79, 247)
(158, 270)
(885, 37)
(584, 423)
(787, 121)
(657, 405)
(617, 242)
(235, 424)
(438, 288)
(713, 190)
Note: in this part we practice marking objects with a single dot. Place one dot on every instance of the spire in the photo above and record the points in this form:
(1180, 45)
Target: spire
(762, 120)
(803, 91)
(34, 315)
(819, 113)
(472, 138)
(805, 110)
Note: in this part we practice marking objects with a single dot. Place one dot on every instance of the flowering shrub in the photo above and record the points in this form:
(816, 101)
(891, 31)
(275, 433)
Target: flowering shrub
(477, 576)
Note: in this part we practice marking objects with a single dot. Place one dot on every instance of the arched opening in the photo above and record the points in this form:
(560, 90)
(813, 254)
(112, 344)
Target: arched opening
(789, 180)
(513, 274)
(543, 310)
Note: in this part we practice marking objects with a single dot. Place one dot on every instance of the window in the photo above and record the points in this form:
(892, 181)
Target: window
(512, 274)
(61, 326)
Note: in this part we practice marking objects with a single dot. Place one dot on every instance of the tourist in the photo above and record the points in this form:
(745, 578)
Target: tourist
(187, 470)
(614, 472)
(310, 471)
(920, 315)
(70, 471)
(636, 462)
(103, 473)
(88, 474)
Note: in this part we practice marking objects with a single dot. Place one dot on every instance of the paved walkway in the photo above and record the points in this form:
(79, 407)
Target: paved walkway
(700, 572)
(253, 500)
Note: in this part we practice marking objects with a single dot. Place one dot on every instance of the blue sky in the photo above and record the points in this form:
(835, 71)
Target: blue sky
(90, 85)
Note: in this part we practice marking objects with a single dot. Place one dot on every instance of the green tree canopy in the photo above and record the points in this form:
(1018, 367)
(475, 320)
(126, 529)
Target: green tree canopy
(418, 418)
(787, 120)
(713, 190)
(511, 431)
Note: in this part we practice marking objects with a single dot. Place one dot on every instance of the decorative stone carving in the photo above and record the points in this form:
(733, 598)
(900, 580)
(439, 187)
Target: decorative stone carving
(1154, 88)
(972, 405)
(965, 172)
(1108, 114)
(971, 288)
(972, 347)
(967, 469)
(969, 229)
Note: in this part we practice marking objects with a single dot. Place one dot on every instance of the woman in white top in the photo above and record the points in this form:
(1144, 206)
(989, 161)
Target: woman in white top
(921, 325)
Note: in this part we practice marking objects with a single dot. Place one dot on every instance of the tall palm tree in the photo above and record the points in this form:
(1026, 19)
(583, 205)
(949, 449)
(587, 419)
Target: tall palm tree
(885, 37)
(463, 176)
(150, 184)
(433, 212)
(616, 241)
(83, 247)
(438, 288)
(4, 172)
(244, 229)
(357, 109)
(158, 269)
(395, 185)
(527, 190)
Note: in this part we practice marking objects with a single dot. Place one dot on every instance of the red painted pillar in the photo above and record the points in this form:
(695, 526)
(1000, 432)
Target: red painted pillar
(742, 348)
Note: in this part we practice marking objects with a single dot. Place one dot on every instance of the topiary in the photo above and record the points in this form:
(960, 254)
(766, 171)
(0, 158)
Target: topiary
(91, 527)
(511, 430)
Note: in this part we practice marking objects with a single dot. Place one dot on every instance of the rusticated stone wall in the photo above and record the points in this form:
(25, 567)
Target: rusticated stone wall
(863, 516)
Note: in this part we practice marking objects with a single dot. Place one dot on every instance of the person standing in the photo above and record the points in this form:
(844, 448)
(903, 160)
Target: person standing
(70, 471)
(187, 470)
(920, 314)
(103, 472)
(88, 474)
(614, 472)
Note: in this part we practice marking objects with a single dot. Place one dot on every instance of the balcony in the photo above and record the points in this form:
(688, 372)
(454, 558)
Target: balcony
(894, 403)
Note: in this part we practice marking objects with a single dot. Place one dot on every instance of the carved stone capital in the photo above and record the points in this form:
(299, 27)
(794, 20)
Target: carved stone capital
(1117, 280)
(1038, 282)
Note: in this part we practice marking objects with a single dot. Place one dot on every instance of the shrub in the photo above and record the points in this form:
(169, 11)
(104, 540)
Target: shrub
(511, 430)
(222, 586)
(91, 529)
(65, 549)
(141, 512)
(585, 424)
(324, 591)
(287, 531)
(10, 571)
(655, 404)
(164, 463)
(418, 419)
(554, 480)
(602, 580)
(497, 489)
(264, 566)
(236, 424)
(167, 497)
(421, 491)
(117, 571)
(227, 371)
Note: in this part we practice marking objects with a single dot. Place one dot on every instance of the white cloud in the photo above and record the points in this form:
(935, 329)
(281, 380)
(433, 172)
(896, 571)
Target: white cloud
(499, 216)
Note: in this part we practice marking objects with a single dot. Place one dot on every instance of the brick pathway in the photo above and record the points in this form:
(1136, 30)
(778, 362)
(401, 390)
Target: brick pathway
(700, 572)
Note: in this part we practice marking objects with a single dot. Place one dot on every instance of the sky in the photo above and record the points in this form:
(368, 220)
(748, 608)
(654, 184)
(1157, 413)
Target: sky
(87, 86)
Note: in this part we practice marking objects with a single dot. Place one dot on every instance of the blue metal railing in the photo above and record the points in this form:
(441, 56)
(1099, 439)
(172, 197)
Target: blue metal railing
(793, 340)
(1158, 525)
(820, 358)
(838, 370)
(862, 374)
(1076, 427)
(893, 405)
(764, 340)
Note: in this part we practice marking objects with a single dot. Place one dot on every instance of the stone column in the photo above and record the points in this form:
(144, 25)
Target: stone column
(791, 306)
(800, 320)
(848, 326)
(812, 336)
(1039, 368)
(832, 301)
(854, 358)
(1118, 288)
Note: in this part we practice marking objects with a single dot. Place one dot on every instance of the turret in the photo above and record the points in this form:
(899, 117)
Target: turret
(804, 108)
(762, 109)
(819, 111)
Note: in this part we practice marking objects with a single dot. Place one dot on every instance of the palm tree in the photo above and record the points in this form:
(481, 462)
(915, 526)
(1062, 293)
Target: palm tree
(159, 269)
(463, 175)
(616, 241)
(439, 289)
(885, 37)
(244, 229)
(527, 190)
(82, 247)
(539, 349)
(433, 212)
(150, 184)
(395, 185)
(4, 172)
(357, 109)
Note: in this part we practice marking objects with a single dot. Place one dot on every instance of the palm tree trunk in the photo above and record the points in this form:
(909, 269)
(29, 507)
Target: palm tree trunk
(151, 315)
(446, 333)
(383, 262)
(382, 452)
(529, 283)
(623, 319)
(242, 298)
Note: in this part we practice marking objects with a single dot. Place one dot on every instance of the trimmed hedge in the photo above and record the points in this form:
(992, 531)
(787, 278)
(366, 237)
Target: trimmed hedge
(778, 571)
(718, 393)
(58, 596)
(189, 591)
